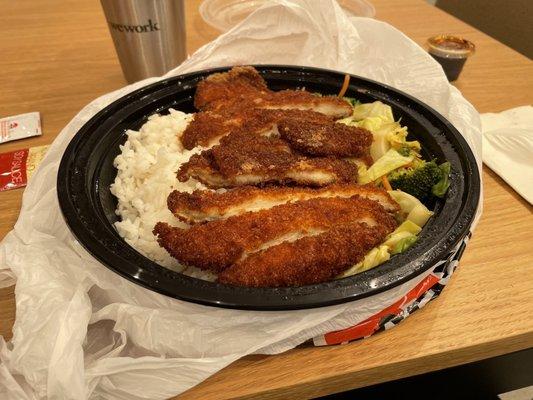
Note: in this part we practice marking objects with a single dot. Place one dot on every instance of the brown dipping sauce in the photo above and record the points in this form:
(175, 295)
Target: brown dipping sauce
(451, 52)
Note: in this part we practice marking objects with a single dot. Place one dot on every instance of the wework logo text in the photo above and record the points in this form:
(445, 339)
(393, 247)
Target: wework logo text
(149, 27)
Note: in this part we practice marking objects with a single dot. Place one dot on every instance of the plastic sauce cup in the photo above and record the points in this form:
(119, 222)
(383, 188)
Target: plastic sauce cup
(451, 52)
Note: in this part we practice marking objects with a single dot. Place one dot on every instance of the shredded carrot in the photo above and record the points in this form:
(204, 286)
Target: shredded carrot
(386, 183)
(345, 84)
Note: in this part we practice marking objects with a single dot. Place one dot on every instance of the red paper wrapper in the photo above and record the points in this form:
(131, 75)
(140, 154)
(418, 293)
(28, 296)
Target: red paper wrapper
(16, 167)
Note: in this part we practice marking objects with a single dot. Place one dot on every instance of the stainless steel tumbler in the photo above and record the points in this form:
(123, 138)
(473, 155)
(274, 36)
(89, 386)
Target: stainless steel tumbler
(149, 35)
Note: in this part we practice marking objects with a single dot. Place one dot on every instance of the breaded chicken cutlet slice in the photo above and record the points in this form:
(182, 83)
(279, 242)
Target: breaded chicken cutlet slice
(302, 100)
(208, 127)
(319, 139)
(221, 90)
(309, 260)
(243, 86)
(218, 244)
(207, 205)
(242, 159)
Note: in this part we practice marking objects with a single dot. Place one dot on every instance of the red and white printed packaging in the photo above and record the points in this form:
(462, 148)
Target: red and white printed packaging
(20, 127)
(16, 167)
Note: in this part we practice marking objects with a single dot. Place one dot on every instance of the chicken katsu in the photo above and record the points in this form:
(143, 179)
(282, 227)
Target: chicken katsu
(290, 211)
(308, 260)
(243, 86)
(216, 245)
(319, 139)
(208, 205)
(208, 127)
(238, 85)
(242, 159)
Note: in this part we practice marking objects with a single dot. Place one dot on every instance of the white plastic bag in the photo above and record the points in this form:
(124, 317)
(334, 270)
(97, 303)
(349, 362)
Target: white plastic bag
(84, 332)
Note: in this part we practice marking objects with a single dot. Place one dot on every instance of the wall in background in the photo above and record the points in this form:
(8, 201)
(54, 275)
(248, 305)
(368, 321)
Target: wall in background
(509, 21)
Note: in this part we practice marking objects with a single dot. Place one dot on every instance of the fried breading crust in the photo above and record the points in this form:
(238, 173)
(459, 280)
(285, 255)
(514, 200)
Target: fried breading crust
(244, 87)
(207, 205)
(235, 86)
(308, 260)
(318, 139)
(303, 100)
(208, 127)
(218, 244)
(242, 159)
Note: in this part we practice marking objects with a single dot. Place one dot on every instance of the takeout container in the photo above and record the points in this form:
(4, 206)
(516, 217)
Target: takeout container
(86, 173)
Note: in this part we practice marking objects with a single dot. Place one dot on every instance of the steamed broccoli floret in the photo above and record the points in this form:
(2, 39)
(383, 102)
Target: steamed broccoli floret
(420, 178)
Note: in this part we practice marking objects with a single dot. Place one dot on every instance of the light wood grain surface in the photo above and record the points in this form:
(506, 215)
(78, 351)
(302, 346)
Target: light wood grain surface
(57, 56)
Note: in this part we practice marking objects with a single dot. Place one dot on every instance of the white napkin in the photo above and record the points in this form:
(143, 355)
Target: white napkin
(508, 147)
(82, 331)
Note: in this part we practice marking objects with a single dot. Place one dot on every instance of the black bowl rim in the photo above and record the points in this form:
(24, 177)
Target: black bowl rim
(198, 291)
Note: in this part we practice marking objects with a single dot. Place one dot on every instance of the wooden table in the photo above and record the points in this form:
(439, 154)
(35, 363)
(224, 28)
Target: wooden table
(56, 56)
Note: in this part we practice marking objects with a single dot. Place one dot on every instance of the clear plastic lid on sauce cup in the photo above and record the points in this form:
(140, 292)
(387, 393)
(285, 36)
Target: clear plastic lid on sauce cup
(451, 52)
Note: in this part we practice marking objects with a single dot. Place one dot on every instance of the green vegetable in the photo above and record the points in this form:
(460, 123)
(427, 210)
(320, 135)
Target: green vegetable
(404, 151)
(399, 240)
(411, 208)
(353, 101)
(417, 180)
(404, 244)
(441, 187)
(378, 119)
(398, 140)
(407, 228)
(386, 135)
(376, 256)
(390, 161)
(419, 215)
(396, 237)
(375, 109)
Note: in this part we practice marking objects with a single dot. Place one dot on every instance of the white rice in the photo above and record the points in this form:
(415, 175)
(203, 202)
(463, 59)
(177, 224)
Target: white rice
(146, 175)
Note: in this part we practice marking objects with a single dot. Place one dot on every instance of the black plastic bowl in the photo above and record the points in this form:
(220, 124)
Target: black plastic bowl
(86, 172)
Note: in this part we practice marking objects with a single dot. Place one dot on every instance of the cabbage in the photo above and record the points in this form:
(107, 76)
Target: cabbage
(405, 230)
(378, 119)
(412, 209)
(370, 123)
(375, 109)
(419, 215)
(375, 257)
(409, 227)
(398, 140)
(381, 131)
(380, 145)
(396, 237)
(406, 201)
(398, 241)
(404, 244)
(390, 161)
